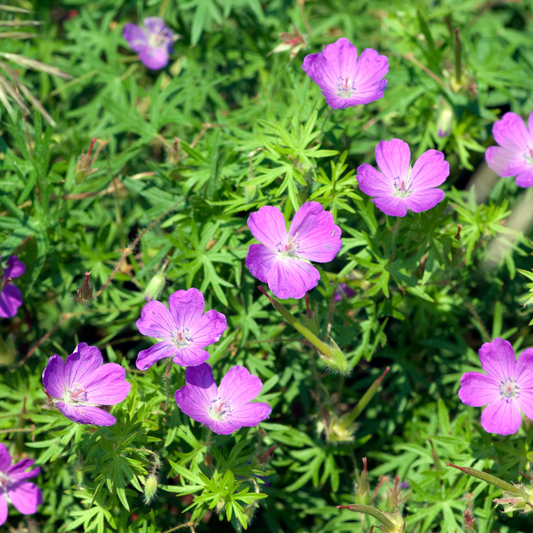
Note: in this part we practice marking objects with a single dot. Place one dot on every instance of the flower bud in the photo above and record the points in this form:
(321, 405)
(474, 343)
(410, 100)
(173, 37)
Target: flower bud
(470, 522)
(249, 512)
(362, 494)
(445, 121)
(155, 287)
(85, 293)
(150, 488)
(292, 42)
(335, 359)
(513, 502)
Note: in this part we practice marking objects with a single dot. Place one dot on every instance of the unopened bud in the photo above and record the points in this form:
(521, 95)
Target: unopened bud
(150, 488)
(292, 42)
(249, 512)
(85, 293)
(84, 167)
(362, 494)
(512, 502)
(445, 121)
(155, 287)
(335, 359)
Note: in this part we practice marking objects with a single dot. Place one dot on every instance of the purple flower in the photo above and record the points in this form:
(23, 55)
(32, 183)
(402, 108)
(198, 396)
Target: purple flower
(344, 79)
(398, 186)
(223, 409)
(514, 156)
(342, 289)
(25, 496)
(283, 259)
(184, 331)
(153, 43)
(507, 388)
(83, 383)
(11, 297)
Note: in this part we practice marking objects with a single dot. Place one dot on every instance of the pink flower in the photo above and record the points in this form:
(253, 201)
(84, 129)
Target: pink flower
(83, 383)
(183, 330)
(399, 187)
(223, 409)
(514, 156)
(283, 258)
(25, 496)
(11, 297)
(153, 43)
(344, 79)
(507, 388)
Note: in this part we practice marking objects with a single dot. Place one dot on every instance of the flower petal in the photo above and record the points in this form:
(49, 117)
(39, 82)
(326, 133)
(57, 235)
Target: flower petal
(10, 300)
(478, 389)
(5, 458)
(292, 278)
(317, 67)
(86, 414)
(260, 260)
(54, 378)
(155, 24)
(156, 320)
(502, 417)
(525, 178)
(81, 364)
(430, 170)
(25, 496)
(505, 162)
(196, 397)
(393, 158)
(3, 508)
(371, 67)
(511, 132)
(135, 36)
(373, 182)
(314, 229)
(498, 359)
(524, 370)
(108, 385)
(150, 356)
(525, 402)
(14, 268)
(419, 201)
(17, 472)
(342, 58)
(268, 227)
(190, 356)
(187, 308)
(208, 329)
(154, 58)
(238, 387)
(393, 206)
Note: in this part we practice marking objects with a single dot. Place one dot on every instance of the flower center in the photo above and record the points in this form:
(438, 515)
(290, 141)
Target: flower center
(158, 40)
(219, 409)
(527, 154)
(5, 481)
(180, 338)
(509, 389)
(76, 394)
(402, 185)
(290, 249)
(345, 88)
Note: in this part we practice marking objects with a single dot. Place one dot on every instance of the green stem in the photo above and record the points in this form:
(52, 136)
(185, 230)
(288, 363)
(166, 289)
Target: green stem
(372, 511)
(487, 478)
(457, 50)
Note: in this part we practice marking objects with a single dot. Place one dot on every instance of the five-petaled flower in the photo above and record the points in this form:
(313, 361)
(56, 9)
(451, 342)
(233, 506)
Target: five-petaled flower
(283, 258)
(153, 43)
(183, 330)
(223, 409)
(399, 187)
(14, 484)
(11, 297)
(345, 79)
(514, 156)
(507, 388)
(83, 383)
